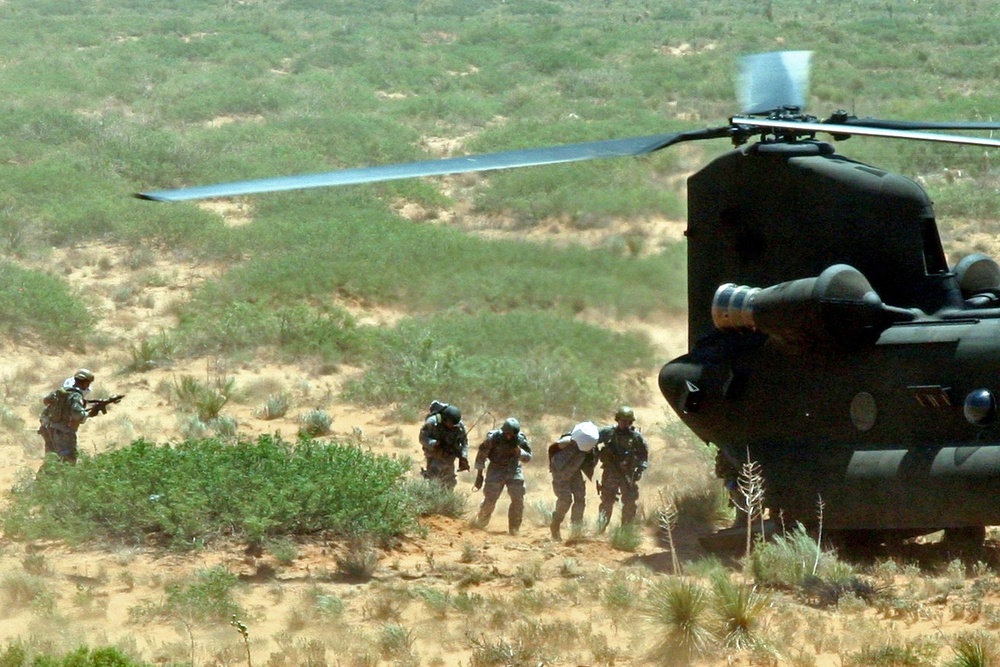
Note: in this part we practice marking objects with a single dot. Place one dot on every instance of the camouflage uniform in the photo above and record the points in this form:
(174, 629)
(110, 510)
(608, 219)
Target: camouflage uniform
(442, 445)
(568, 464)
(624, 457)
(505, 453)
(64, 411)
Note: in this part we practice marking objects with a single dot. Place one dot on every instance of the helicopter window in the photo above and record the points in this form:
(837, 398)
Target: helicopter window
(934, 257)
(863, 411)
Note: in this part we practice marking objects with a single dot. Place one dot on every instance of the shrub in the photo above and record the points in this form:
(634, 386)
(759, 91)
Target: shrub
(315, 423)
(917, 652)
(9, 419)
(359, 560)
(626, 537)
(740, 609)
(206, 598)
(16, 654)
(150, 354)
(275, 407)
(39, 305)
(196, 491)
(431, 498)
(20, 589)
(795, 561)
(205, 399)
(395, 642)
(682, 608)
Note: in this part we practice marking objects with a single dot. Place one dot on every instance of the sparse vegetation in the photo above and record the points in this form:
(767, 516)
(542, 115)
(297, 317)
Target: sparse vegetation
(207, 597)
(359, 560)
(106, 98)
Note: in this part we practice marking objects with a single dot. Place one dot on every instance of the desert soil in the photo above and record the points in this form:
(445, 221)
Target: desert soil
(94, 591)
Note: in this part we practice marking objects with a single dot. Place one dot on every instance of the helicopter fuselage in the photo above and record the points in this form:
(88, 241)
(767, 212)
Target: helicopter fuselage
(879, 435)
(847, 377)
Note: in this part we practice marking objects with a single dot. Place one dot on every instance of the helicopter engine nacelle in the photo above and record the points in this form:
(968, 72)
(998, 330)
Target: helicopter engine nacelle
(838, 306)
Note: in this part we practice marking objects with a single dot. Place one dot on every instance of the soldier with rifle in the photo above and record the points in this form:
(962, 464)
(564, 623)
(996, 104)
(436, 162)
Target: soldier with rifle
(444, 439)
(65, 410)
(624, 457)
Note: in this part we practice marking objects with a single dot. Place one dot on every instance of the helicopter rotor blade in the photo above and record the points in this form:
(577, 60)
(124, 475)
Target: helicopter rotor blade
(776, 80)
(916, 125)
(591, 150)
(805, 127)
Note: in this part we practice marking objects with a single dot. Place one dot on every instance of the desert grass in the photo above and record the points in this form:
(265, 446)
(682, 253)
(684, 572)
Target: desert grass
(208, 596)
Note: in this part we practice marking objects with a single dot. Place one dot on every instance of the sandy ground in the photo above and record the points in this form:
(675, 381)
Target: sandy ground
(93, 595)
(96, 596)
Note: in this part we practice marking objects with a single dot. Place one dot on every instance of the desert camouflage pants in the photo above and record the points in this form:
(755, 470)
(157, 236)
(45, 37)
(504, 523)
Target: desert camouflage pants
(491, 493)
(613, 485)
(570, 493)
(59, 442)
(441, 470)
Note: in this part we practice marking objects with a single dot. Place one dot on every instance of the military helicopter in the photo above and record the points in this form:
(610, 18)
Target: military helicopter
(829, 340)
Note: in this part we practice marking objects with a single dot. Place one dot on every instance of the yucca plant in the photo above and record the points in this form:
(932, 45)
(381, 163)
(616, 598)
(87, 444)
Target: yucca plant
(682, 608)
(975, 648)
(740, 609)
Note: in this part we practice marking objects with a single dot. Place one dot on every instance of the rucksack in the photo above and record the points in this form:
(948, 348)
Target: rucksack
(57, 407)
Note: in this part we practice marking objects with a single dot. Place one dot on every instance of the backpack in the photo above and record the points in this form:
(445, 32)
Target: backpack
(57, 407)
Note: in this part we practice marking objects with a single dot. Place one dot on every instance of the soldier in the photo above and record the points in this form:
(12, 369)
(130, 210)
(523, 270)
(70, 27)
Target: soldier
(444, 439)
(506, 449)
(624, 458)
(65, 409)
(570, 458)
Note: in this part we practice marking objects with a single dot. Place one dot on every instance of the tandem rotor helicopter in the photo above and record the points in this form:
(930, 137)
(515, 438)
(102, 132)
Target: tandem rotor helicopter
(829, 339)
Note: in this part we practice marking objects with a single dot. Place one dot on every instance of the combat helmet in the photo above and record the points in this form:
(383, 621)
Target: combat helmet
(451, 414)
(624, 412)
(511, 425)
(83, 375)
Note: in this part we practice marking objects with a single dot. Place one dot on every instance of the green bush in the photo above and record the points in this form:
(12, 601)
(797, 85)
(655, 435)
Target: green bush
(528, 363)
(36, 304)
(194, 492)
(16, 655)
(788, 560)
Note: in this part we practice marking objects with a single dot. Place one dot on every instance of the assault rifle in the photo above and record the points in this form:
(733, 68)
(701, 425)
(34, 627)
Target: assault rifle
(96, 406)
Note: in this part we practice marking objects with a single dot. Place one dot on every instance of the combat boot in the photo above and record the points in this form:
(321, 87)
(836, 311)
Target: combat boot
(554, 529)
